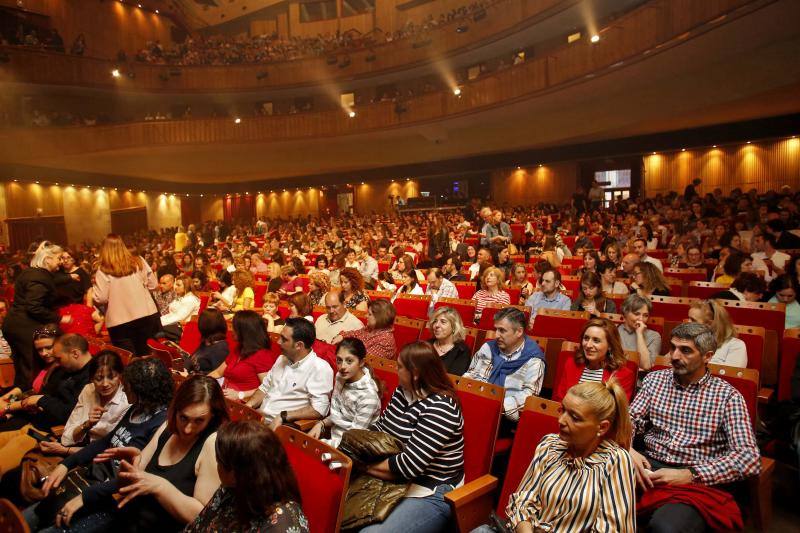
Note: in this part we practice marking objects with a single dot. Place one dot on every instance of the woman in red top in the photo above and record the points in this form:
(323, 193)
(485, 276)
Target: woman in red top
(378, 336)
(599, 357)
(250, 357)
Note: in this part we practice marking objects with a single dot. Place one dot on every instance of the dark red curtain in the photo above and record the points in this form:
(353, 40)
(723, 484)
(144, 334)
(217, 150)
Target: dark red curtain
(23, 231)
(239, 207)
(127, 221)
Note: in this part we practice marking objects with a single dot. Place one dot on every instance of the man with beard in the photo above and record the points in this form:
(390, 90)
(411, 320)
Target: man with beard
(696, 431)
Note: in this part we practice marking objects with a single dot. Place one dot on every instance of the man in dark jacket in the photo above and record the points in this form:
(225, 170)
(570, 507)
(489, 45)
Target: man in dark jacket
(41, 412)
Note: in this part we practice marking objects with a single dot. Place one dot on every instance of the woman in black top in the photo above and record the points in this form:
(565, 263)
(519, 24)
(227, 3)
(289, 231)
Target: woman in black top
(213, 342)
(71, 280)
(148, 386)
(448, 334)
(167, 484)
(33, 307)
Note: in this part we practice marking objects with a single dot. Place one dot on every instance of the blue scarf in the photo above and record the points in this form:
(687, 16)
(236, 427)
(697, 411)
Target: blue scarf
(502, 366)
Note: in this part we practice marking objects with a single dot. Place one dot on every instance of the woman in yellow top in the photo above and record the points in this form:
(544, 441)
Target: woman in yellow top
(244, 297)
(734, 265)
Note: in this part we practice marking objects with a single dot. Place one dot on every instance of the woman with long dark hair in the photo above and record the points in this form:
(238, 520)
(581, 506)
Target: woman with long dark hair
(425, 414)
(258, 489)
(213, 349)
(250, 357)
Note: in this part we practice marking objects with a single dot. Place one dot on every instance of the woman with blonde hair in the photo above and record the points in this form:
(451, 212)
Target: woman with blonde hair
(448, 340)
(244, 297)
(271, 316)
(599, 357)
(581, 479)
(731, 351)
(33, 307)
(519, 280)
(648, 280)
(124, 282)
(318, 286)
(492, 292)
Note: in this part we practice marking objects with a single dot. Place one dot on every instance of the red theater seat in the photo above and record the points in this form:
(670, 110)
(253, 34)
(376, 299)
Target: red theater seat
(465, 308)
(412, 306)
(384, 370)
(323, 474)
(790, 348)
(466, 289)
(705, 289)
(555, 323)
(190, 339)
(487, 316)
(482, 407)
(407, 330)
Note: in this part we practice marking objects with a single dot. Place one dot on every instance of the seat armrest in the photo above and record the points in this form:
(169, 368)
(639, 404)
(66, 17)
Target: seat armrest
(760, 492)
(472, 503)
(57, 431)
(304, 425)
(765, 394)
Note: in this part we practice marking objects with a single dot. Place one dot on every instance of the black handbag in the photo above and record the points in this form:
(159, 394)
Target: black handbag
(74, 483)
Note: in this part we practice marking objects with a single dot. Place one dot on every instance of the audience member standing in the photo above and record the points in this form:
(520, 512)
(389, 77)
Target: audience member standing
(124, 283)
(33, 307)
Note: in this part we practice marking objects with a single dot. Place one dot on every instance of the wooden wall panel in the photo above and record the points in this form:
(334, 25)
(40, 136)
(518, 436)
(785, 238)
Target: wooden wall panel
(761, 165)
(555, 182)
(288, 203)
(373, 196)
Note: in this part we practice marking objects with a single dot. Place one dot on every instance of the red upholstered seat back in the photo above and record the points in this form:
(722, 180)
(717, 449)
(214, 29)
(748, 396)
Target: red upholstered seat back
(559, 324)
(412, 306)
(753, 338)
(322, 490)
(539, 418)
(790, 348)
(385, 370)
(190, 339)
(482, 407)
(259, 290)
(705, 289)
(465, 308)
(487, 316)
(465, 289)
(204, 298)
(671, 308)
(406, 331)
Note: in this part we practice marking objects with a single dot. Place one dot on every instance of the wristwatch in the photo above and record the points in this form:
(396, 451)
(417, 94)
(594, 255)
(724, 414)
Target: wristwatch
(284, 417)
(241, 395)
(695, 474)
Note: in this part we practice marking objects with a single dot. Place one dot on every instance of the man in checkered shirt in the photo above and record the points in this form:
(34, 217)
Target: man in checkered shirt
(695, 428)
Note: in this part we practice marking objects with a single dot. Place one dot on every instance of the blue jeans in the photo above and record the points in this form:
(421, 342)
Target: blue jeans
(430, 514)
(81, 522)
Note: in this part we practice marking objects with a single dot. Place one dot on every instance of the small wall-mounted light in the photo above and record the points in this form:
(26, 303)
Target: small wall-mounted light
(351, 114)
(457, 91)
(237, 120)
(595, 38)
(116, 73)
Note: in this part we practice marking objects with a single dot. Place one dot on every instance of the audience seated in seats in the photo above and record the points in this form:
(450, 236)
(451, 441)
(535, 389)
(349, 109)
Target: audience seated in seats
(51, 406)
(452, 269)
(679, 451)
(410, 285)
(640, 249)
(101, 405)
(258, 490)
(245, 297)
(608, 278)
(352, 285)
(300, 306)
(733, 265)
(424, 413)
(378, 336)
(648, 281)
(318, 286)
(491, 293)
(591, 298)
(164, 294)
(483, 260)
(356, 398)
(291, 284)
(149, 387)
(249, 359)
(181, 309)
(32, 307)
(511, 360)
(767, 258)
(299, 385)
(599, 357)
(581, 479)
(784, 289)
(439, 286)
(634, 333)
(519, 280)
(213, 349)
(731, 351)
(5, 349)
(448, 334)
(271, 316)
(550, 295)
(747, 287)
(122, 282)
(337, 318)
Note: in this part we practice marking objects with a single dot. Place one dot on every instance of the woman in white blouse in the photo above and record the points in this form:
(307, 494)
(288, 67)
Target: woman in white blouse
(731, 351)
(185, 304)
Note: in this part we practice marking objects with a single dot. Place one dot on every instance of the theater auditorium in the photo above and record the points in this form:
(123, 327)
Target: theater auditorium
(395, 266)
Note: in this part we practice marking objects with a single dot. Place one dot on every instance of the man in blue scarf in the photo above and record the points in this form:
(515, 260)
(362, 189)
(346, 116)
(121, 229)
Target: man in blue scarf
(512, 360)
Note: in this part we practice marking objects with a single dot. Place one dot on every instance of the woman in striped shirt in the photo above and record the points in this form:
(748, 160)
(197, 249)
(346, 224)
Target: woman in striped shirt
(492, 292)
(425, 414)
(599, 358)
(581, 479)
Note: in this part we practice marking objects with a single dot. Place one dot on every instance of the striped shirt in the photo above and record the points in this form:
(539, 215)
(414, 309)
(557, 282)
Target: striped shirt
(483, 298)
(591, 375)
(432, 432)
(562, 493)
(353, 405)
(704, 425)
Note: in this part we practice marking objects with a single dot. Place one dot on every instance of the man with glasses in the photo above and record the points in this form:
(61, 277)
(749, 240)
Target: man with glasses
(337, 318)
(299, 385)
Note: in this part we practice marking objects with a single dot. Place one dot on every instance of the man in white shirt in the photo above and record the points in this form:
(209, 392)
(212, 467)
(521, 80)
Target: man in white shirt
(640, 249)
(439, 286)
(299, 385)
(767, 258)
(337, 319)
(367, 266)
